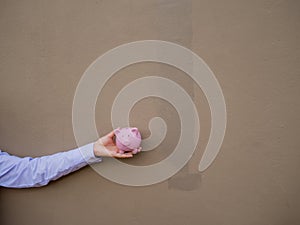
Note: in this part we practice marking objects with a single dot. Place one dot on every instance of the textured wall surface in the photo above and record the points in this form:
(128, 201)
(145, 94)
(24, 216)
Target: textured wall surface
(251, 46)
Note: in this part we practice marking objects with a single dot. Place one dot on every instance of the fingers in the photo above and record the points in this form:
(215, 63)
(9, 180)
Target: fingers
(122, 155)
(113, 151)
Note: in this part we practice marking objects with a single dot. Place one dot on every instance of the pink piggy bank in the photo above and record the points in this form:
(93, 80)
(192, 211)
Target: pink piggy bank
(128, 139)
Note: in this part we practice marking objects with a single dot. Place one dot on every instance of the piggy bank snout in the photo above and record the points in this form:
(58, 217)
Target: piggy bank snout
(126, 141)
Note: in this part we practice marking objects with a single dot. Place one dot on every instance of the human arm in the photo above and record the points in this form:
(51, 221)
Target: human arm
(26, 172)
(17, 172)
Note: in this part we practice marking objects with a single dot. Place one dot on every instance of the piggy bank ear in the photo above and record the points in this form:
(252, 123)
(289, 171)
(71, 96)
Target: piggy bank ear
(117, 131)
(135, 130)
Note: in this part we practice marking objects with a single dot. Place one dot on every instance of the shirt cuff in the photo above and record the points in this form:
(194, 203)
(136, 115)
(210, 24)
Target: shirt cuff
(87, 152)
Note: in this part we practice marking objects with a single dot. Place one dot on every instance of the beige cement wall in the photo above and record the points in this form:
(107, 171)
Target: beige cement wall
(251, 46)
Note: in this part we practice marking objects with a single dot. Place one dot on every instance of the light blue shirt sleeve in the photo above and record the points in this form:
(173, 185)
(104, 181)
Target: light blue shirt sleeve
(16, 172)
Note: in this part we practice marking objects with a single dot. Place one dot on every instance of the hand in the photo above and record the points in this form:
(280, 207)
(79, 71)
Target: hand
(105, 147)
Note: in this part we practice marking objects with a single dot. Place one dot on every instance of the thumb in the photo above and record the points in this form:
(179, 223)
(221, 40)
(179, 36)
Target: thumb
(111, 134)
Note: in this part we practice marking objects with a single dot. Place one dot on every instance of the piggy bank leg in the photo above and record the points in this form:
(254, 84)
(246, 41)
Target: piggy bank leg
(136, 150)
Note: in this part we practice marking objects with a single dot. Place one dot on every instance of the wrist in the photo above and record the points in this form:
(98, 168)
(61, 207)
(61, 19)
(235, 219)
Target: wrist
(88, 153)
(95, 150)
